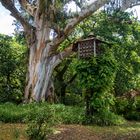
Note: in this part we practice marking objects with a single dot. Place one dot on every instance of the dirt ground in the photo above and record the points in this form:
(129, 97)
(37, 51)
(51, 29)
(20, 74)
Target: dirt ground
(79, 132)
(73, 132)
(129, 131)
(12, 131)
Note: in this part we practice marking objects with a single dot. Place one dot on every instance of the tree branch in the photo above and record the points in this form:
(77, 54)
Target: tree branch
(60, 73)
(57, 59)
(8, 4)
(93, 7)
(72, 79)
(66, 52)
(65, 67)
(29, 8)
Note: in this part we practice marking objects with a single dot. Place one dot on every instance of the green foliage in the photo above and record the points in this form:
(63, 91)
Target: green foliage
(133, 115)
(129, 108)
(121, 105)
(40, 118)
(72, 99)
(106, 118)
(41, 123)
(12, 69)
(10, 112)
(117, 69)
(122, 30)
(103, 101)
(21, 113)
(98, 74)
(71, 115)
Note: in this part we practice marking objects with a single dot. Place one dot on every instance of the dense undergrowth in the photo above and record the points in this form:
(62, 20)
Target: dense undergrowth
(20, 113)
(12, 113)
(41, 118)
(128, 108)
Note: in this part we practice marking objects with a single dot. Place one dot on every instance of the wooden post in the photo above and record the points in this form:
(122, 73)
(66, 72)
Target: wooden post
(78, 50)
(94, 46)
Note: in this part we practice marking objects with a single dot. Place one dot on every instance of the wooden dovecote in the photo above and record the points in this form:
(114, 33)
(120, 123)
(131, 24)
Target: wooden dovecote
(89, 47)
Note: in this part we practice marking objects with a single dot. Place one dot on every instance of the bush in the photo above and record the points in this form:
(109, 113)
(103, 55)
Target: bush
(107, 118)
(12, 69)
(129, 108)
(133, 115)
(71, 115)
(74, 100)
(121, 105)
(19, 113)
(40, 117)
(41, 123)
(11, 113)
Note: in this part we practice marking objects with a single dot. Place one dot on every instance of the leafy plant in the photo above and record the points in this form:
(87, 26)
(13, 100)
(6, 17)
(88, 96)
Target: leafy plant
(41, 125)
(24, 113)
(106, 118)
(12, 69)
(97, 77)
(129, 108)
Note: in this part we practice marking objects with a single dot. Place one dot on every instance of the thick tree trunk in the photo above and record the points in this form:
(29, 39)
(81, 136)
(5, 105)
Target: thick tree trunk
(40, 68)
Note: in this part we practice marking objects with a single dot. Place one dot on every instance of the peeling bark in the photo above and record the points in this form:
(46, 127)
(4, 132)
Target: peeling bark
(31, 9)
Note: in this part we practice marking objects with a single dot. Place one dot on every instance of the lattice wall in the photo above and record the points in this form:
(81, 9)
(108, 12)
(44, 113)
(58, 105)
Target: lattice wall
(86, 48)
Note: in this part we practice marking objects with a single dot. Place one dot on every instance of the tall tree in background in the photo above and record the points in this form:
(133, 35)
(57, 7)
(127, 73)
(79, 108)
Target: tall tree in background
(12, 69)
(48, 16)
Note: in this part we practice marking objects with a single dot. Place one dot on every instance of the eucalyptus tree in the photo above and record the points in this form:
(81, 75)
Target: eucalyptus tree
(45, 17)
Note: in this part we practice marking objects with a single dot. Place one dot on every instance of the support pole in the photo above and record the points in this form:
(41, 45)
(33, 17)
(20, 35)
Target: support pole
(94, 48)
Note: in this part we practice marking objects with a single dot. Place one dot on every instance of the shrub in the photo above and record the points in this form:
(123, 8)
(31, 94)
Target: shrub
(121, 105)
(11, 113)
(107, 118)
(72, 115)
(74, 100)
(129, 108)
(19, 113)
(133, 115)
(42, 121)
(40, 124)
(138, 104)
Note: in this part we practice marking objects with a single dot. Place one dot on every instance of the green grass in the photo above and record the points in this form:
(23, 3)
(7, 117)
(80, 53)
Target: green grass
(11, 113)
(125, 128)
(127, 131)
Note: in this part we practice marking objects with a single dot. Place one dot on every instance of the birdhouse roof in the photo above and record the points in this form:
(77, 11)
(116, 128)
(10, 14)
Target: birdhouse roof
(90, 38)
